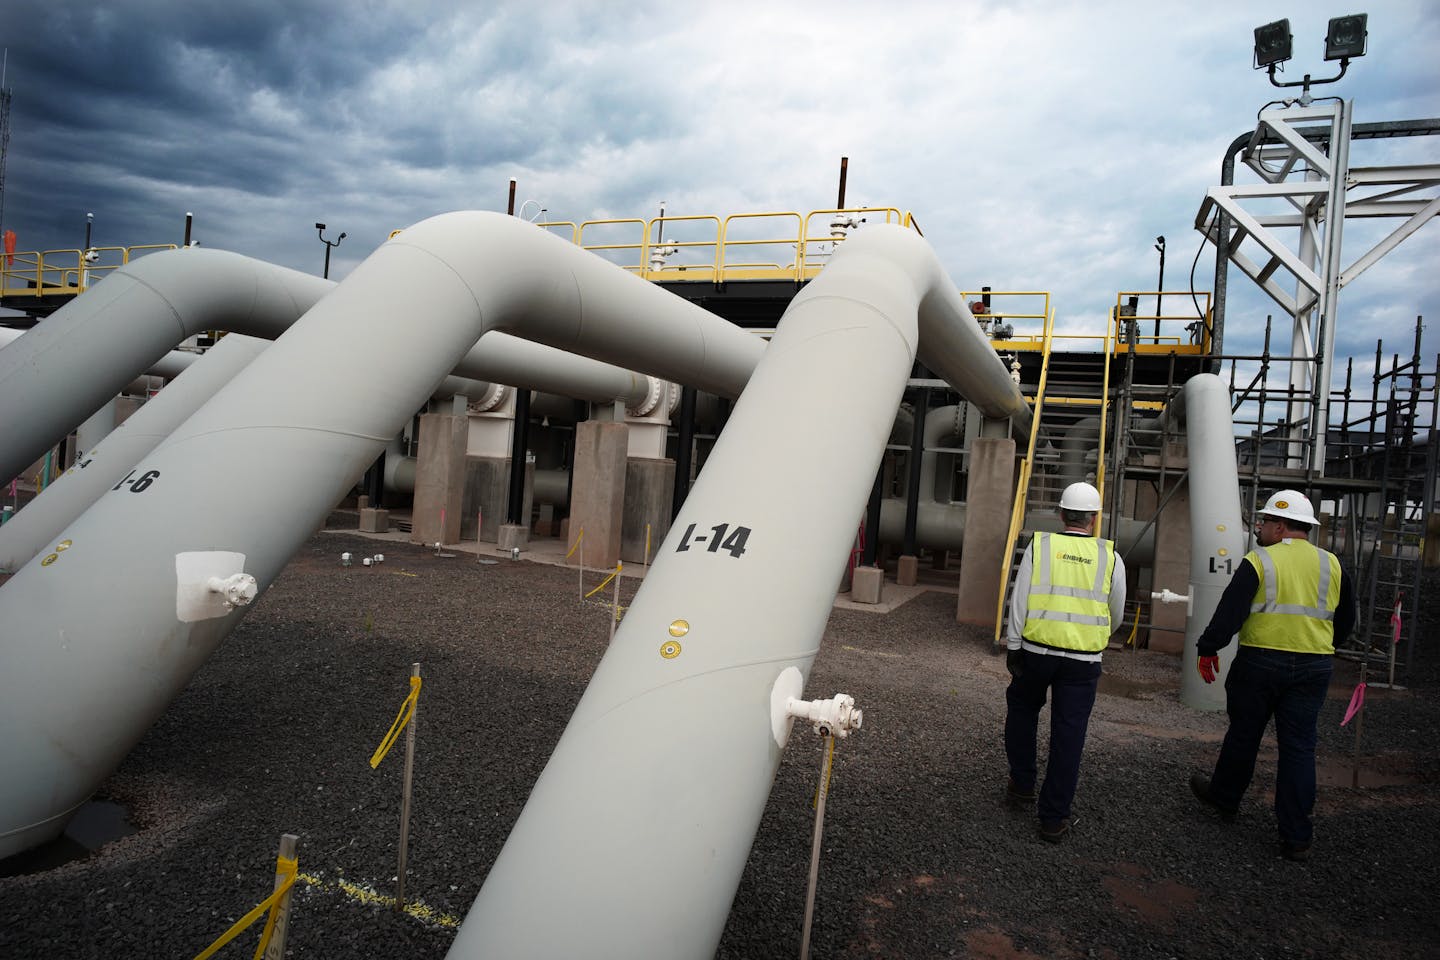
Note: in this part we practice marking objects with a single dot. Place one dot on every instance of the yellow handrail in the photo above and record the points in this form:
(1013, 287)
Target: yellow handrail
(1022, 489)
(41, 273)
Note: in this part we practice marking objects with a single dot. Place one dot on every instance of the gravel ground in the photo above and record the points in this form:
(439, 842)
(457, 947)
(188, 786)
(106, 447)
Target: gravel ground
(920, 859)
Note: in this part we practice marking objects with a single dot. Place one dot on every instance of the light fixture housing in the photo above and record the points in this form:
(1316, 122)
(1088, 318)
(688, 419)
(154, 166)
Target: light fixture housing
(1345, 37)
(1273, 43)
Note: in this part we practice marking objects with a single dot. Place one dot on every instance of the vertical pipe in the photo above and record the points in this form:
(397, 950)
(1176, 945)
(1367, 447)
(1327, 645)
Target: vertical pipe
(684, 447)
(519, 443)
(510, 206)
(844, 168)
(189, 220)
(872, 518)
(917, 453)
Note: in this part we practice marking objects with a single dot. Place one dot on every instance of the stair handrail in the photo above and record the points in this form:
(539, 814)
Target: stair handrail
(1022, 486)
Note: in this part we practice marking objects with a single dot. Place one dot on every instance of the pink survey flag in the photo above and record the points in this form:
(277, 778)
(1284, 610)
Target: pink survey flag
(1395, 620)
(1357, 700)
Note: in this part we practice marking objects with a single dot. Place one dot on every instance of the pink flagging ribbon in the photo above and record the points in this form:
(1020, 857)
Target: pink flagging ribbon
(1357, 700)
(1395, 620)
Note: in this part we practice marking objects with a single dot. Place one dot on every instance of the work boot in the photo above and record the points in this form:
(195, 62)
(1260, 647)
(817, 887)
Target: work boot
(1053, 831)
(1017, 799)
(1200, 786)
(1296, 852)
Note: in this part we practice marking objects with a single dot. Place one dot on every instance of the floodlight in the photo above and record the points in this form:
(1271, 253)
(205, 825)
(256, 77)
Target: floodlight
(1272, 43)
(1346, 37)
(319, 226)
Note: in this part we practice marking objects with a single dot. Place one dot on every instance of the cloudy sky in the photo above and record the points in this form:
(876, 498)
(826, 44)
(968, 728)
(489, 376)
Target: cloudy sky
(1040, 144)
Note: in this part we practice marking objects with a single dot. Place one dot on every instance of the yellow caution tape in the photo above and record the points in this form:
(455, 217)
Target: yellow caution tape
(286, 866)
(407, 710)
(578, 538)
(605, 581)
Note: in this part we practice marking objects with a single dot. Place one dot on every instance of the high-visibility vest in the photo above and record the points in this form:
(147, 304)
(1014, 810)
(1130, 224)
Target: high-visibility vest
(1069, 601)
(1294, 605)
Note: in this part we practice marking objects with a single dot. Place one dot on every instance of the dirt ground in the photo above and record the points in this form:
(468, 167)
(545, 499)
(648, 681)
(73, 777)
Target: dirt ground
(920, 859)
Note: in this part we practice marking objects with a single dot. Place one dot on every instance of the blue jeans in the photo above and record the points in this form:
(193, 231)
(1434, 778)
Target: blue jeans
(1072, 684)
(1291, 687)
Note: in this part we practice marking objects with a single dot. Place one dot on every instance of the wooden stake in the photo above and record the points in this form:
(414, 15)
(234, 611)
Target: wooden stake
(615, 607)
(405, 795)
(1359, 726)
(276, 948)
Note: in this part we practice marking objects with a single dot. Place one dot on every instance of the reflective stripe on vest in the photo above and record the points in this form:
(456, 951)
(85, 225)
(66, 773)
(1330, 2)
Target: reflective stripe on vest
(1069, 600)
(1294, 605)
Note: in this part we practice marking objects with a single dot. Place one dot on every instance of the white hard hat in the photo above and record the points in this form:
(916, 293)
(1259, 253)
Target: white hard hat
(1290, 505)
(1081, 497)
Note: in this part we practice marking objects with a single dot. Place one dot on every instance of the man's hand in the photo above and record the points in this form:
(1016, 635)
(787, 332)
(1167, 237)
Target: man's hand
(1209, 668)
(1015, 662)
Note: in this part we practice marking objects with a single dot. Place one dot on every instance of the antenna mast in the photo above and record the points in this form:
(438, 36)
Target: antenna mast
(4, 129)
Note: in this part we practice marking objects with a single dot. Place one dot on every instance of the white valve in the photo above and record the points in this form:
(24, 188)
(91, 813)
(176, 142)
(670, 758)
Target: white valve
(345, 559)
(365, 562)
(1168, 596)
(236, 590)
(658, 255)
(842, 224)
(837, 716)
(379, 558)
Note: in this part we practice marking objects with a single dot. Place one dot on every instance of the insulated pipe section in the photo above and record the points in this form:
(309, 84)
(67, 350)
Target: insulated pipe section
(952, 343)
(510, 360)
(62, 370)
(80, 683)
(38, 526)
(1217, 530)
(663, 772)
(941, 526)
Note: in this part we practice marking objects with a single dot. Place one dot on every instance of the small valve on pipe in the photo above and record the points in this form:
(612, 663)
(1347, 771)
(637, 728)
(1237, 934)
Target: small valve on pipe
(1168, 596)
(836, 716)
(236, 590)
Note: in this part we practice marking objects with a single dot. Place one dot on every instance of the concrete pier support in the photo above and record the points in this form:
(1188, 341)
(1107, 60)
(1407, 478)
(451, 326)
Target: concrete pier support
(486, 496)
(597, 495)
(989, 501)
(649, 485)
(439, 478)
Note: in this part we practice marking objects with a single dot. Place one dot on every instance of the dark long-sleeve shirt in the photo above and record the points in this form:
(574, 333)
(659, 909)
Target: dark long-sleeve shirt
(1234, 607)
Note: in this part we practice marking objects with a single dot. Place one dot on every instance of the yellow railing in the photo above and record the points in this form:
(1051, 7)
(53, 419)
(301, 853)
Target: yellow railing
(776, 245)
(1022, 487)
(1030, 307)
(1180, 322)
(42, 273)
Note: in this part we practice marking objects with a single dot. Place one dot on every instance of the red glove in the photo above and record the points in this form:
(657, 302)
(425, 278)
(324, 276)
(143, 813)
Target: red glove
(1209, 668)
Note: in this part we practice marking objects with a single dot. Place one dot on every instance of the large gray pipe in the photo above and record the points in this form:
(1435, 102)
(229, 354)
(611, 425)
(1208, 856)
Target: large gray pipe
(1217, 529)
(102, 635)
(639, 827)
(38, 525)
(498, 356)
(64, 369)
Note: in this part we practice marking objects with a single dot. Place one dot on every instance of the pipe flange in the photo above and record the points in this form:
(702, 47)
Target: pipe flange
(653, 389)
(489, 400)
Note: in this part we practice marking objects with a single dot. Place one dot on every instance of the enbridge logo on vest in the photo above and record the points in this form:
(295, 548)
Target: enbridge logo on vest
(1072, 557)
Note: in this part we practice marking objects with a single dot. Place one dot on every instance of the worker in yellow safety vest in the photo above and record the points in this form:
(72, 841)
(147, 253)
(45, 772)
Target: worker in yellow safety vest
(1290, 602)
(1069, 594)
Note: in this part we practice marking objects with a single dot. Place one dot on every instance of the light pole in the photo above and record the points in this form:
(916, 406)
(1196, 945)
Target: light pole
(320, 229)
(1159, 287)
